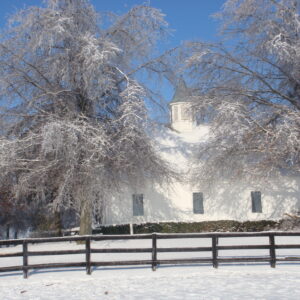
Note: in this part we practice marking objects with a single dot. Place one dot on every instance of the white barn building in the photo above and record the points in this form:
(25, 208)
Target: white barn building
(181, 202)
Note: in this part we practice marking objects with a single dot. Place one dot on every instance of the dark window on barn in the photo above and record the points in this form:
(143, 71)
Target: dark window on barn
(256, 202)
(198, 203)
(138, 204)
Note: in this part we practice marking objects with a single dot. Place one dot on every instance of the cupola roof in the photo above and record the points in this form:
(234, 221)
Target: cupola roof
(182, 93)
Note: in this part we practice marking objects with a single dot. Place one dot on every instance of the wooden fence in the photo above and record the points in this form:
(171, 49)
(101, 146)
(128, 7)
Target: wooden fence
(213, 258)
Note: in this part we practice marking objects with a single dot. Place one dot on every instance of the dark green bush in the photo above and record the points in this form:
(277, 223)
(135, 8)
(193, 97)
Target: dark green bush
(184, 227)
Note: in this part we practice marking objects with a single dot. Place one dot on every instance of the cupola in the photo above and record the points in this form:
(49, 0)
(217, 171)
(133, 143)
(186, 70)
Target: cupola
(182, 116)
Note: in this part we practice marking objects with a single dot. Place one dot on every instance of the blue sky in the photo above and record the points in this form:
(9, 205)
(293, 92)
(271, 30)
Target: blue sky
(189, 19)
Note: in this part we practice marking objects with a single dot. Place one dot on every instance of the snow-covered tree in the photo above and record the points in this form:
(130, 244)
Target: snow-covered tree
(74, 124)
(250, 86)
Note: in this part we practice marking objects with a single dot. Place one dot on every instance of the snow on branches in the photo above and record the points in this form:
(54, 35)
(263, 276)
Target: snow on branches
(73, 115)
(250, 88)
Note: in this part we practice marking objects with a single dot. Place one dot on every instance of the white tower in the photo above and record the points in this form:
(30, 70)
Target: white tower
(182, 116)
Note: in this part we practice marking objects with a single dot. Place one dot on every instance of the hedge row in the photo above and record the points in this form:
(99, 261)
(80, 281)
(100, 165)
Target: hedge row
(183, 227)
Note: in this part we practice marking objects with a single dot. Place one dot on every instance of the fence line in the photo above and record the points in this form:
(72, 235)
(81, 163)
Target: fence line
(214, 259)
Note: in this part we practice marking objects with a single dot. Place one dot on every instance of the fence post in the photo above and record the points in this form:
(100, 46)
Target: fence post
(154, 251)
(25, 259)
(214, 251)
(272, 250)
(88, 255)
(131, 229)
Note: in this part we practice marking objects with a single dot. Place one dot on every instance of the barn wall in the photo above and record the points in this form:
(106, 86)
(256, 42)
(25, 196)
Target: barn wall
(221, 202)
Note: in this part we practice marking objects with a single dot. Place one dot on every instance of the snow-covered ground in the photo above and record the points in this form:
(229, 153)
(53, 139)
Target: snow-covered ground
(229, 281)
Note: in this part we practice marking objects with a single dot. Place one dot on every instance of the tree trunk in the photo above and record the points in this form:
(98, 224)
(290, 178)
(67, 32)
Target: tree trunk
(7, 231)
(85, 217)
(58, 223)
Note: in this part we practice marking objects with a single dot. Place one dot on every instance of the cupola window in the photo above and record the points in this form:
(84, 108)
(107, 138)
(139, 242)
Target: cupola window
(175, 113)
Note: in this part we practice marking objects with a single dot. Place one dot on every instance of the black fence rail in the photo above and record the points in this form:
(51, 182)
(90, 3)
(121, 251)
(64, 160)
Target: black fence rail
(213, 258)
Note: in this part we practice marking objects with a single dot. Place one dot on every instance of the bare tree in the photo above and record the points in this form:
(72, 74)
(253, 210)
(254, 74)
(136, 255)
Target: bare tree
(73, 114)
(249, 85)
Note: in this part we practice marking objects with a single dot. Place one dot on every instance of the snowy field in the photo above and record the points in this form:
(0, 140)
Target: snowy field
(229, 281)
